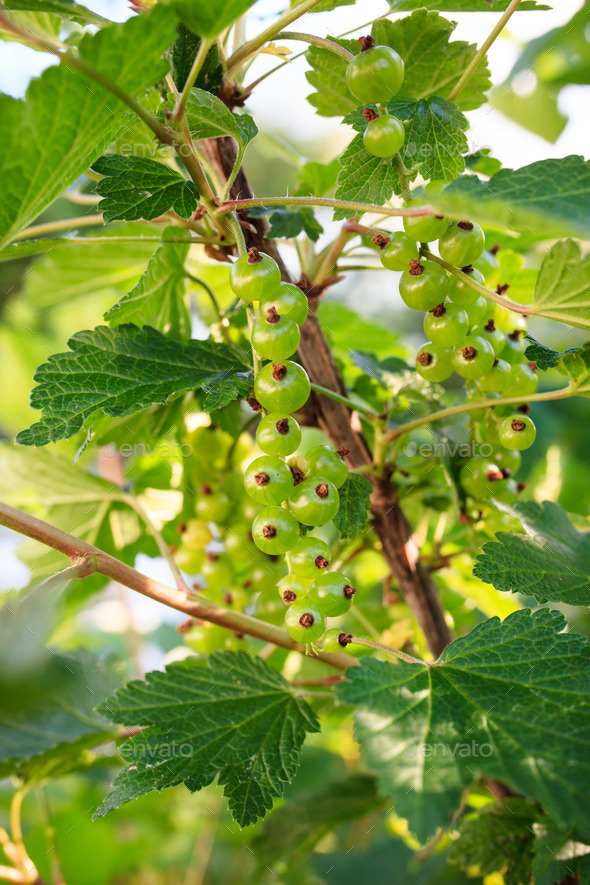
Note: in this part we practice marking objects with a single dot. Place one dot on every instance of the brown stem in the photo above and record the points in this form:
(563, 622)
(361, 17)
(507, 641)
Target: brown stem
(104, 564)
(393, 529)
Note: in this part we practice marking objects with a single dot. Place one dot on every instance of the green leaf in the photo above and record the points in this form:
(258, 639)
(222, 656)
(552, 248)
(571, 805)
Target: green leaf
(136, 187)
(45, 738)
(288, 223)
(551, 562)
(209, 19)
(433, 65)
(158, 298)
(183, 54)
(120, 371)
(510, 701)
(549, 198)
(464, 5)
(71, 270)
(482, 162)
(435, 135)
(494, 835)
(39, 159)
(51, 487)
(328, 75)
(544, 357)
(317, 179)
(233, 718)
(559, 856)
(355, 501)
(42, 24)
(562, 291)
(364, 178)
(208, 117)
(66, 9)
(293, 831)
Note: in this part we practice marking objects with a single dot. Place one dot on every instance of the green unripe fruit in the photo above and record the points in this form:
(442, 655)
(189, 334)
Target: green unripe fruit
(461, 292)
(332, 593)
(523, 381)
(497, 379)
(278, 434)
(517, 432)
(375, 74)
(189, 560)
(433, 362)
(275, 530)
(446, 324)
(282, 387)
(196, 534)
(515, 345)
(422, 287)
(268, 480)
(327, 462)
(492, 334)
(488, 265)
(289, 301)
(425, 228)
(309, 557)
(212, 506)
(315, 501)
(507, 459)
(384, 136)
(473, 358)
(334, 641)
(400, 250)
(477, 310)
(304, 622)
(275, 337)
(254, 276)
(293, 587)
(218, 572)
(462, 243)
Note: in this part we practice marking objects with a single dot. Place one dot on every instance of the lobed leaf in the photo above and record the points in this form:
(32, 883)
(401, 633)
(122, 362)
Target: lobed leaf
(120, 371)
(234, 718)
(355, 502)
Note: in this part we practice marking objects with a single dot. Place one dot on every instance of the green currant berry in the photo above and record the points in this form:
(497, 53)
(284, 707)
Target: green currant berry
(433, 362)
(189, 560)
(282, 387)
(212, 506)
(514, 347)
(489, 331)
(399, 251)
(329, 463)
(309, 557)
(334, 641)
(461, 292)
(196, 534)
(517, 432)
(289, 301)
(275, 337)
(508, 320)
(422, 287)
(523, 381)
(497, 378)
(268, 480)
(384, 136)
(446, 324)
(278, 434)
(488, 265)
(424, 228)
(218, 572)
(293, 587)
(508, 460)
(254, 276)
(473, 357)
(332, 592)
(275, 530)
(376, 73)
(483, 479)
(315, 501)
(462, 243)
(476, 311)
(304, 622)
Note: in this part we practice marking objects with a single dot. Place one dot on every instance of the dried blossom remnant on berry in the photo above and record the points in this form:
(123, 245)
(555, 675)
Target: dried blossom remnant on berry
(289, 596)
(322, 490)
(439, 311)
(254, 404)
(307, 620)
(269, 531)
(370, 115)
(366, 43)
(254, 256)
(262, 479)
(381, 241)
(469, 352)
(348, 591)
(282, 426)
(279, 371)
(416, 269)
(465, 225)
(273, 317)
(321, 562)
(518, 425)
(424, 358)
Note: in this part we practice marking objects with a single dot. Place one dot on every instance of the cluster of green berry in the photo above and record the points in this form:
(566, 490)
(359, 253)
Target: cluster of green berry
(374, 76)
(482, 342)
(294, 491)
